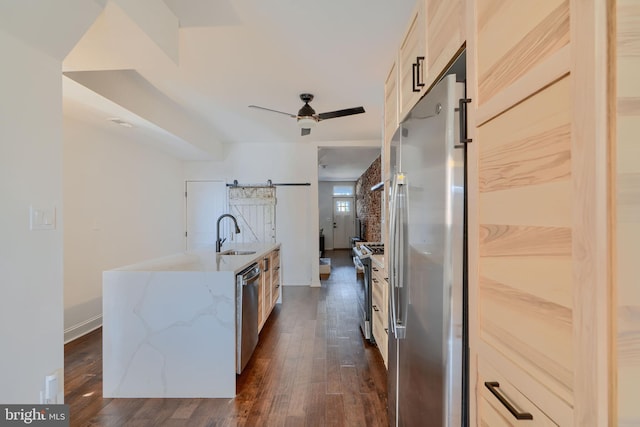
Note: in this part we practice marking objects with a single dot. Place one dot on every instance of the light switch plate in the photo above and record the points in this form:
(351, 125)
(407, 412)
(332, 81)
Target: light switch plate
(42, 218)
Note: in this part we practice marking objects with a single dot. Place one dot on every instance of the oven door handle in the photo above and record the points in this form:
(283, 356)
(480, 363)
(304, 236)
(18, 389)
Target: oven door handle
(358, 262)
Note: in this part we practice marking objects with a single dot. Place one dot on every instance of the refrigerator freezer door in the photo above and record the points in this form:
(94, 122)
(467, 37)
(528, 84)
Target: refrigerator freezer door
(425, 359)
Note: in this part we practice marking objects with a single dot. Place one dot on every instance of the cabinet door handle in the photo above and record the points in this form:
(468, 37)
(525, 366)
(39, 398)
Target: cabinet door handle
(375, 308)
(386, 331)
(419, 61)
(375, 268)
(462, 114)
(493, 388)
(266, 264)
(414, 77)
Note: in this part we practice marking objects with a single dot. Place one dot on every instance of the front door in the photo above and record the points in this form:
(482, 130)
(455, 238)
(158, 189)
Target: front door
(343, 222)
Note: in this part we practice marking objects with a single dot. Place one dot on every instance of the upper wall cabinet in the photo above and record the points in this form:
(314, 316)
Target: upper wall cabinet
(391, 103)
(412, 62)
(445, 36)
(434, 36)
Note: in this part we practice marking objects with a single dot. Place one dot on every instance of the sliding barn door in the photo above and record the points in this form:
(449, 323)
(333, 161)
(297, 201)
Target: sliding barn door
(255, 210)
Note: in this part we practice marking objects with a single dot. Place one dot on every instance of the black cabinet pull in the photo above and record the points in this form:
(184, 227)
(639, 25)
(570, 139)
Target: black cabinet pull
(416, 84)
(375, 308)
(493, 386)
(462, 109)
(419, 61)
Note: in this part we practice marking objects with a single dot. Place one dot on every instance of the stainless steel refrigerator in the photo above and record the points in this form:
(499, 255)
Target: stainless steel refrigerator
(427, 337)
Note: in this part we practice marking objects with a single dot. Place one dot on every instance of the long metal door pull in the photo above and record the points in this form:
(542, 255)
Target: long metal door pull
(493, 388)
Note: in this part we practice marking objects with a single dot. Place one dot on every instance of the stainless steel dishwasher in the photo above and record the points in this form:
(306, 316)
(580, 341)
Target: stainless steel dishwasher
(247, 282)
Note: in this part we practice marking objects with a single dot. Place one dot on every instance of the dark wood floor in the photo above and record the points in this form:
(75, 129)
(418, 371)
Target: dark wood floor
(311, 368)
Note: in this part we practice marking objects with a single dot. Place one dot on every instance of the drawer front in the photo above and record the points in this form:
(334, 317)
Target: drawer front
(377, 294)
(380, 333)
(275, 276)
(275, 284)
(380, 321)
(495, 413)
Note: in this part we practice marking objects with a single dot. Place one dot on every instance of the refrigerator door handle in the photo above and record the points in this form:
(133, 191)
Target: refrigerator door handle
(392, 254)
(397, 326)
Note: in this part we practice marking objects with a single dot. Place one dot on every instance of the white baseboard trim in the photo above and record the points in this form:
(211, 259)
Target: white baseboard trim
(82, 328)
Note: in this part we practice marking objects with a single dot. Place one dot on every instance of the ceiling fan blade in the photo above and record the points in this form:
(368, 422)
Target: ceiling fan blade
(274, 111)
(340, 113)
(305, 131)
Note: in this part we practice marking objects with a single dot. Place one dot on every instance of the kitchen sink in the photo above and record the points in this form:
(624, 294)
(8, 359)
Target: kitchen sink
(235, 252)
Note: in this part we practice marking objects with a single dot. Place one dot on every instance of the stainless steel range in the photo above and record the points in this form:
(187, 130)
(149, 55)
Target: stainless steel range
(362, 258)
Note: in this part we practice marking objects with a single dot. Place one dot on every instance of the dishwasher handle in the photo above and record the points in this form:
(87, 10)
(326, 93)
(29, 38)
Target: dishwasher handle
(250, 274)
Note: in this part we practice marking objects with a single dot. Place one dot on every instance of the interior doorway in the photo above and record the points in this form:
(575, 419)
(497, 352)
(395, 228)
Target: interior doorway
(205, 202)
(340, 166)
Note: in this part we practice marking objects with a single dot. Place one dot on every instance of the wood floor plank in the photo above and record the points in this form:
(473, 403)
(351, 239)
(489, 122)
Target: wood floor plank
(311, 368)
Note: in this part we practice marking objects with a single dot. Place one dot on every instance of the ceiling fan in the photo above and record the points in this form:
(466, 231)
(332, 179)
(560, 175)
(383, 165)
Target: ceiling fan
(307, 117)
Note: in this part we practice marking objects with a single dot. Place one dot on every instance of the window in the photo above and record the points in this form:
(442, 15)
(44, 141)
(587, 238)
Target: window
(343, 206)
(343, 190)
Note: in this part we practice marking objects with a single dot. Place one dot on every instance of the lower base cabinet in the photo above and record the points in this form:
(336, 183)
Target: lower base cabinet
(380, 316)
(269, 289)
(500, 403)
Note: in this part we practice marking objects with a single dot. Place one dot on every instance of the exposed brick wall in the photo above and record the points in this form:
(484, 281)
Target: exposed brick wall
(369, 203)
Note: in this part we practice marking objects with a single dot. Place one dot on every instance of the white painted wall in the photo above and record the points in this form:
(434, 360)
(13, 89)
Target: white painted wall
(124, 203)
(296, 208)
(30, 261)
(325, 208)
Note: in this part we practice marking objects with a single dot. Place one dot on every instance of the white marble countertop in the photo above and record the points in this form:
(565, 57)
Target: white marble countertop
(205, 259)
(170, 325)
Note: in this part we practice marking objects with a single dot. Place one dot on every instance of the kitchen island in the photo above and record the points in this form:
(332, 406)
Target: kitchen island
(169, 324)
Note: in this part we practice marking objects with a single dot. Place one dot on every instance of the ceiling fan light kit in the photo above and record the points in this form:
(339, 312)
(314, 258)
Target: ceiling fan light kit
(307, 117)
(306, 122)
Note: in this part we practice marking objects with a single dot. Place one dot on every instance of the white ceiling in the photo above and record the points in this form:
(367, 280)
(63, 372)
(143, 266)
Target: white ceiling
(231, 54)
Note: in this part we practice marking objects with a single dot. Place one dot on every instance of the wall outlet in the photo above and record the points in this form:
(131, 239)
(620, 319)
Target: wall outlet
(42, 218)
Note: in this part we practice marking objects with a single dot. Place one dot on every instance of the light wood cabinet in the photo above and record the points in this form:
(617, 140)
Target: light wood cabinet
(445, 23)
(537, 211)
(412, 62)
(516, 410)
(269, 289)
(390, 109)
(275, 277)
(264, 293)
(524, 294)
(627, 207)
(434, 37)
(541, 193)
(380, 303)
